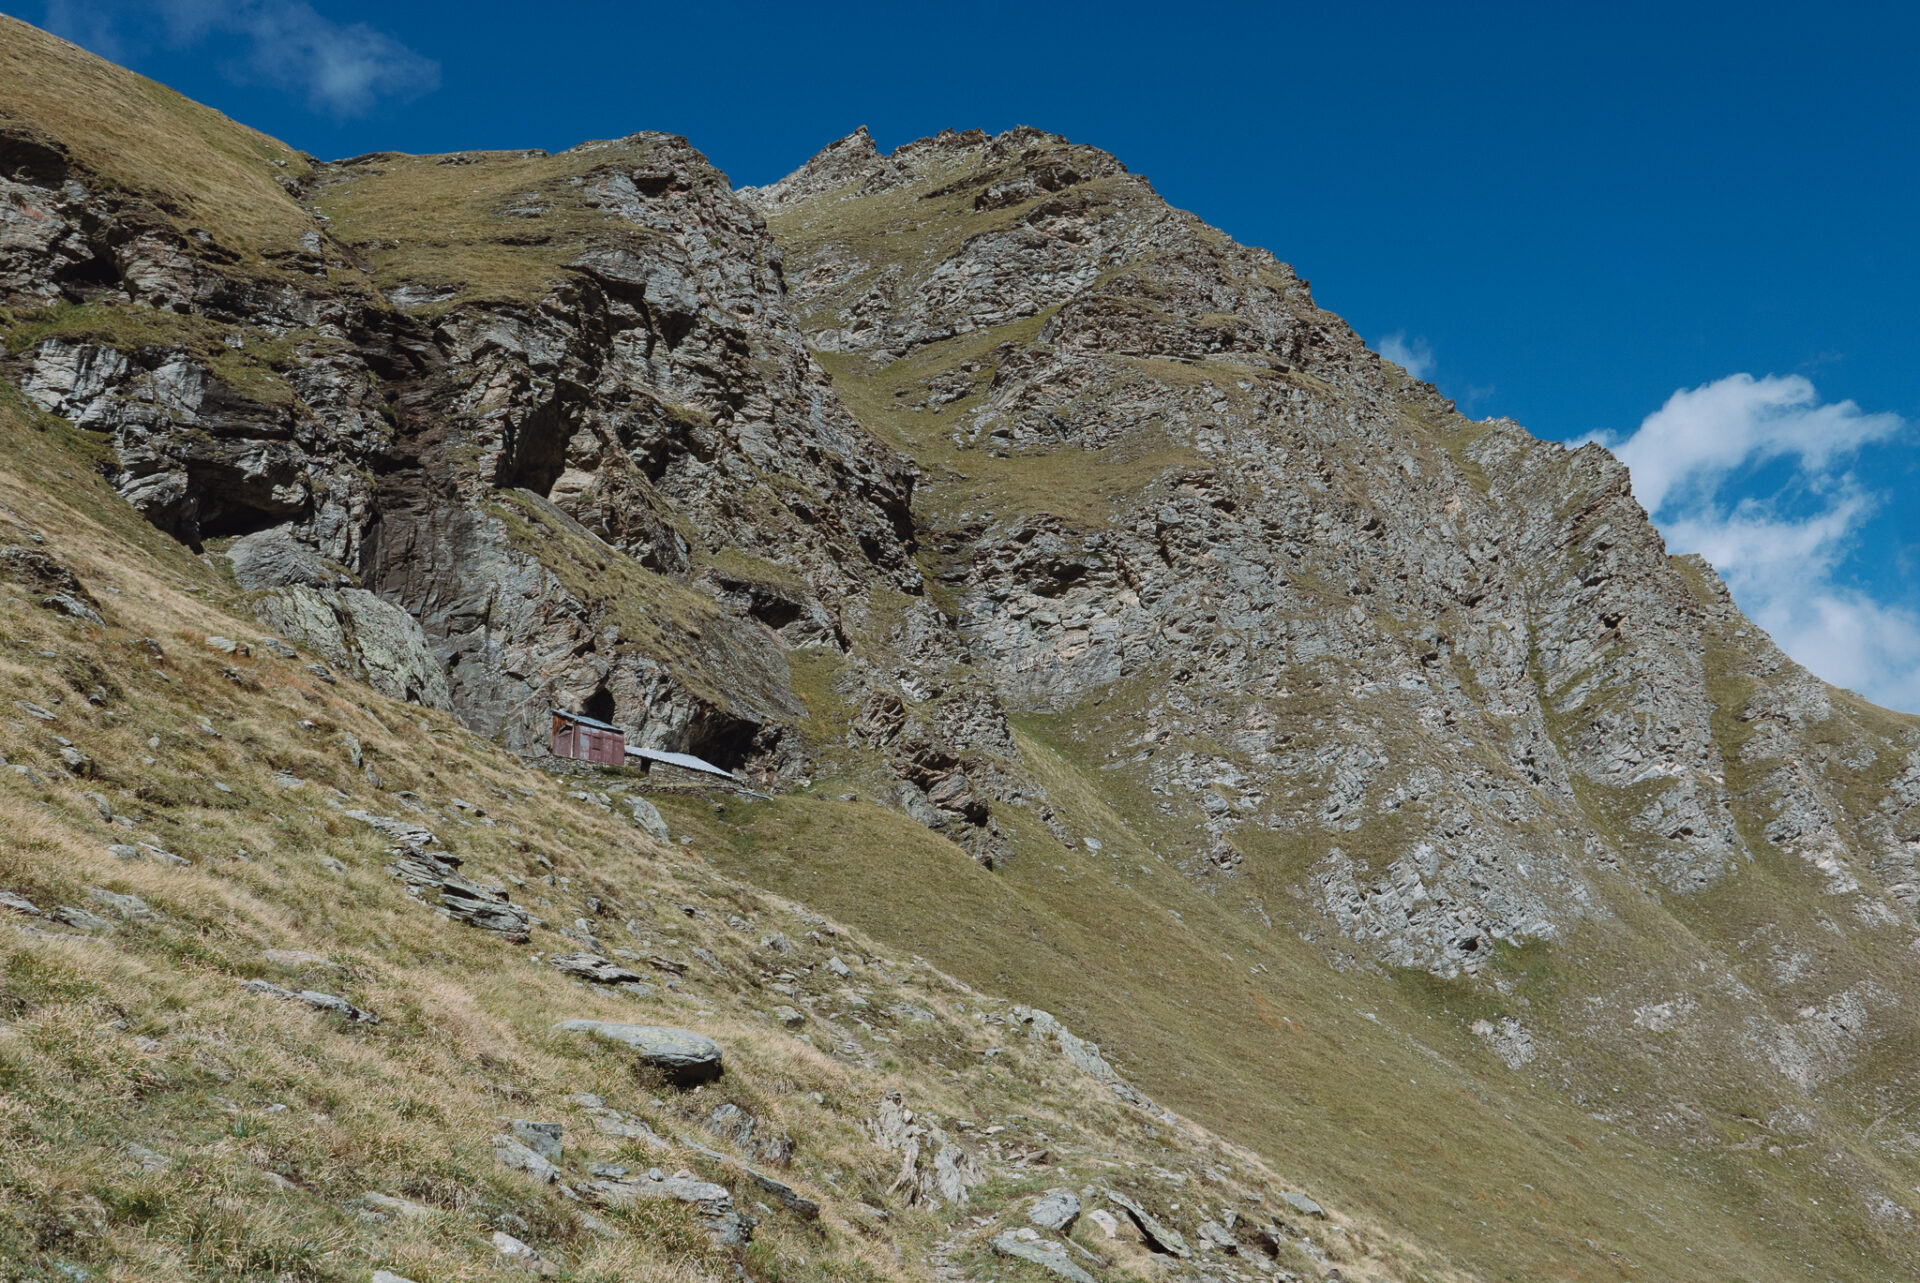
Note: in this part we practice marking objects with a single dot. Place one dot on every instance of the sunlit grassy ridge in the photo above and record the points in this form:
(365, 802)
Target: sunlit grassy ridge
(198, 169)
(477, 226)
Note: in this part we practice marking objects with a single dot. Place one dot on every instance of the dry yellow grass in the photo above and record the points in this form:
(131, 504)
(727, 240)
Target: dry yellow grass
(261, 1124)
(478, 225)
(195, 166)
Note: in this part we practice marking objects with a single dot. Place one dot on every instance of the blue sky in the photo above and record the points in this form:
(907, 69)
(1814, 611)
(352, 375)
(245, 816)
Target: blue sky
(1684, 230)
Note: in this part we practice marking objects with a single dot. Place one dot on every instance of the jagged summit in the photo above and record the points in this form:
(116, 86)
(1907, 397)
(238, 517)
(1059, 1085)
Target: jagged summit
(1093, 616)
(853, 166)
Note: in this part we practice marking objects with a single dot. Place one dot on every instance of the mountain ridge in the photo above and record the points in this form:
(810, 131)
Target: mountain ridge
(1186, 668)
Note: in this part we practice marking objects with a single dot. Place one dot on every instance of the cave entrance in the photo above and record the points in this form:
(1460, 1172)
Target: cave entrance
(775, 612)
(227, 520)
(726, 742)
(536, 451)
(599, 706)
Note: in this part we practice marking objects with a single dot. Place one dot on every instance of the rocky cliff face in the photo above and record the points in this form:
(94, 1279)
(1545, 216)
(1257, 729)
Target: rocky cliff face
(1428, 690)
(1344, 609)
(470, 451)
(975, 481)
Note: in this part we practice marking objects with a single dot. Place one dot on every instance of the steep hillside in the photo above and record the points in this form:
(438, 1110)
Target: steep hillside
(283, 966)
(1418, 707)
(1103, 628)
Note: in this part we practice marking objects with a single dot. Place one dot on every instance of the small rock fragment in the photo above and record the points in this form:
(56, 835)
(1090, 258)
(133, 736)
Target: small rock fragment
(1158, 1236)
(405, 1208)
(297, 958)
(518, 1254)
(68, 604)
(313, 998)
(511, 1153)
(19, 904)
(713, 1206)
(594, 968)
(131, 907)
(1214, 1237)
(1303, 1205)
(782, 1193)
(160, 855)
(542, 1138)
(146, 1158)
(79, 919)
(609, 1122)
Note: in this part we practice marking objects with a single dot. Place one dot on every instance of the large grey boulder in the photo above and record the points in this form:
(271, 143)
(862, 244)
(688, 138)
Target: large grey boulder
(647, 816)
(277, 559)
(1025, 1245)
(685, 1058)
(713, 1205)
(1057, 1209)
(355, 630)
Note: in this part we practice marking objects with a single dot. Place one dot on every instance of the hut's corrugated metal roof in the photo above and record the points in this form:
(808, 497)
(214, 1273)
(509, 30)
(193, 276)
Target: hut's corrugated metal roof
(586, 721)
(686, 761)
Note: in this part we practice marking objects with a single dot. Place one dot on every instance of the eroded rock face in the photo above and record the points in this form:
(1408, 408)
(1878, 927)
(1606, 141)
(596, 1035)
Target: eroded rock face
(477, 465)
(1428, 692)
(1477, 629)
(659, 403)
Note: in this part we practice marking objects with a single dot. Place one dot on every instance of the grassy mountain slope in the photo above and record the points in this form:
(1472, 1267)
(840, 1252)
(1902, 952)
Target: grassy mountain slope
(1353, 628)
(163, 1121)
(197, 170)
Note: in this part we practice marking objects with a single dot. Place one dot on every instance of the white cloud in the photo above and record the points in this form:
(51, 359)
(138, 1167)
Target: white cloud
(1780, 551)
(1701, 435)
(343, 69)
(1414, 356)
(1854, 641)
